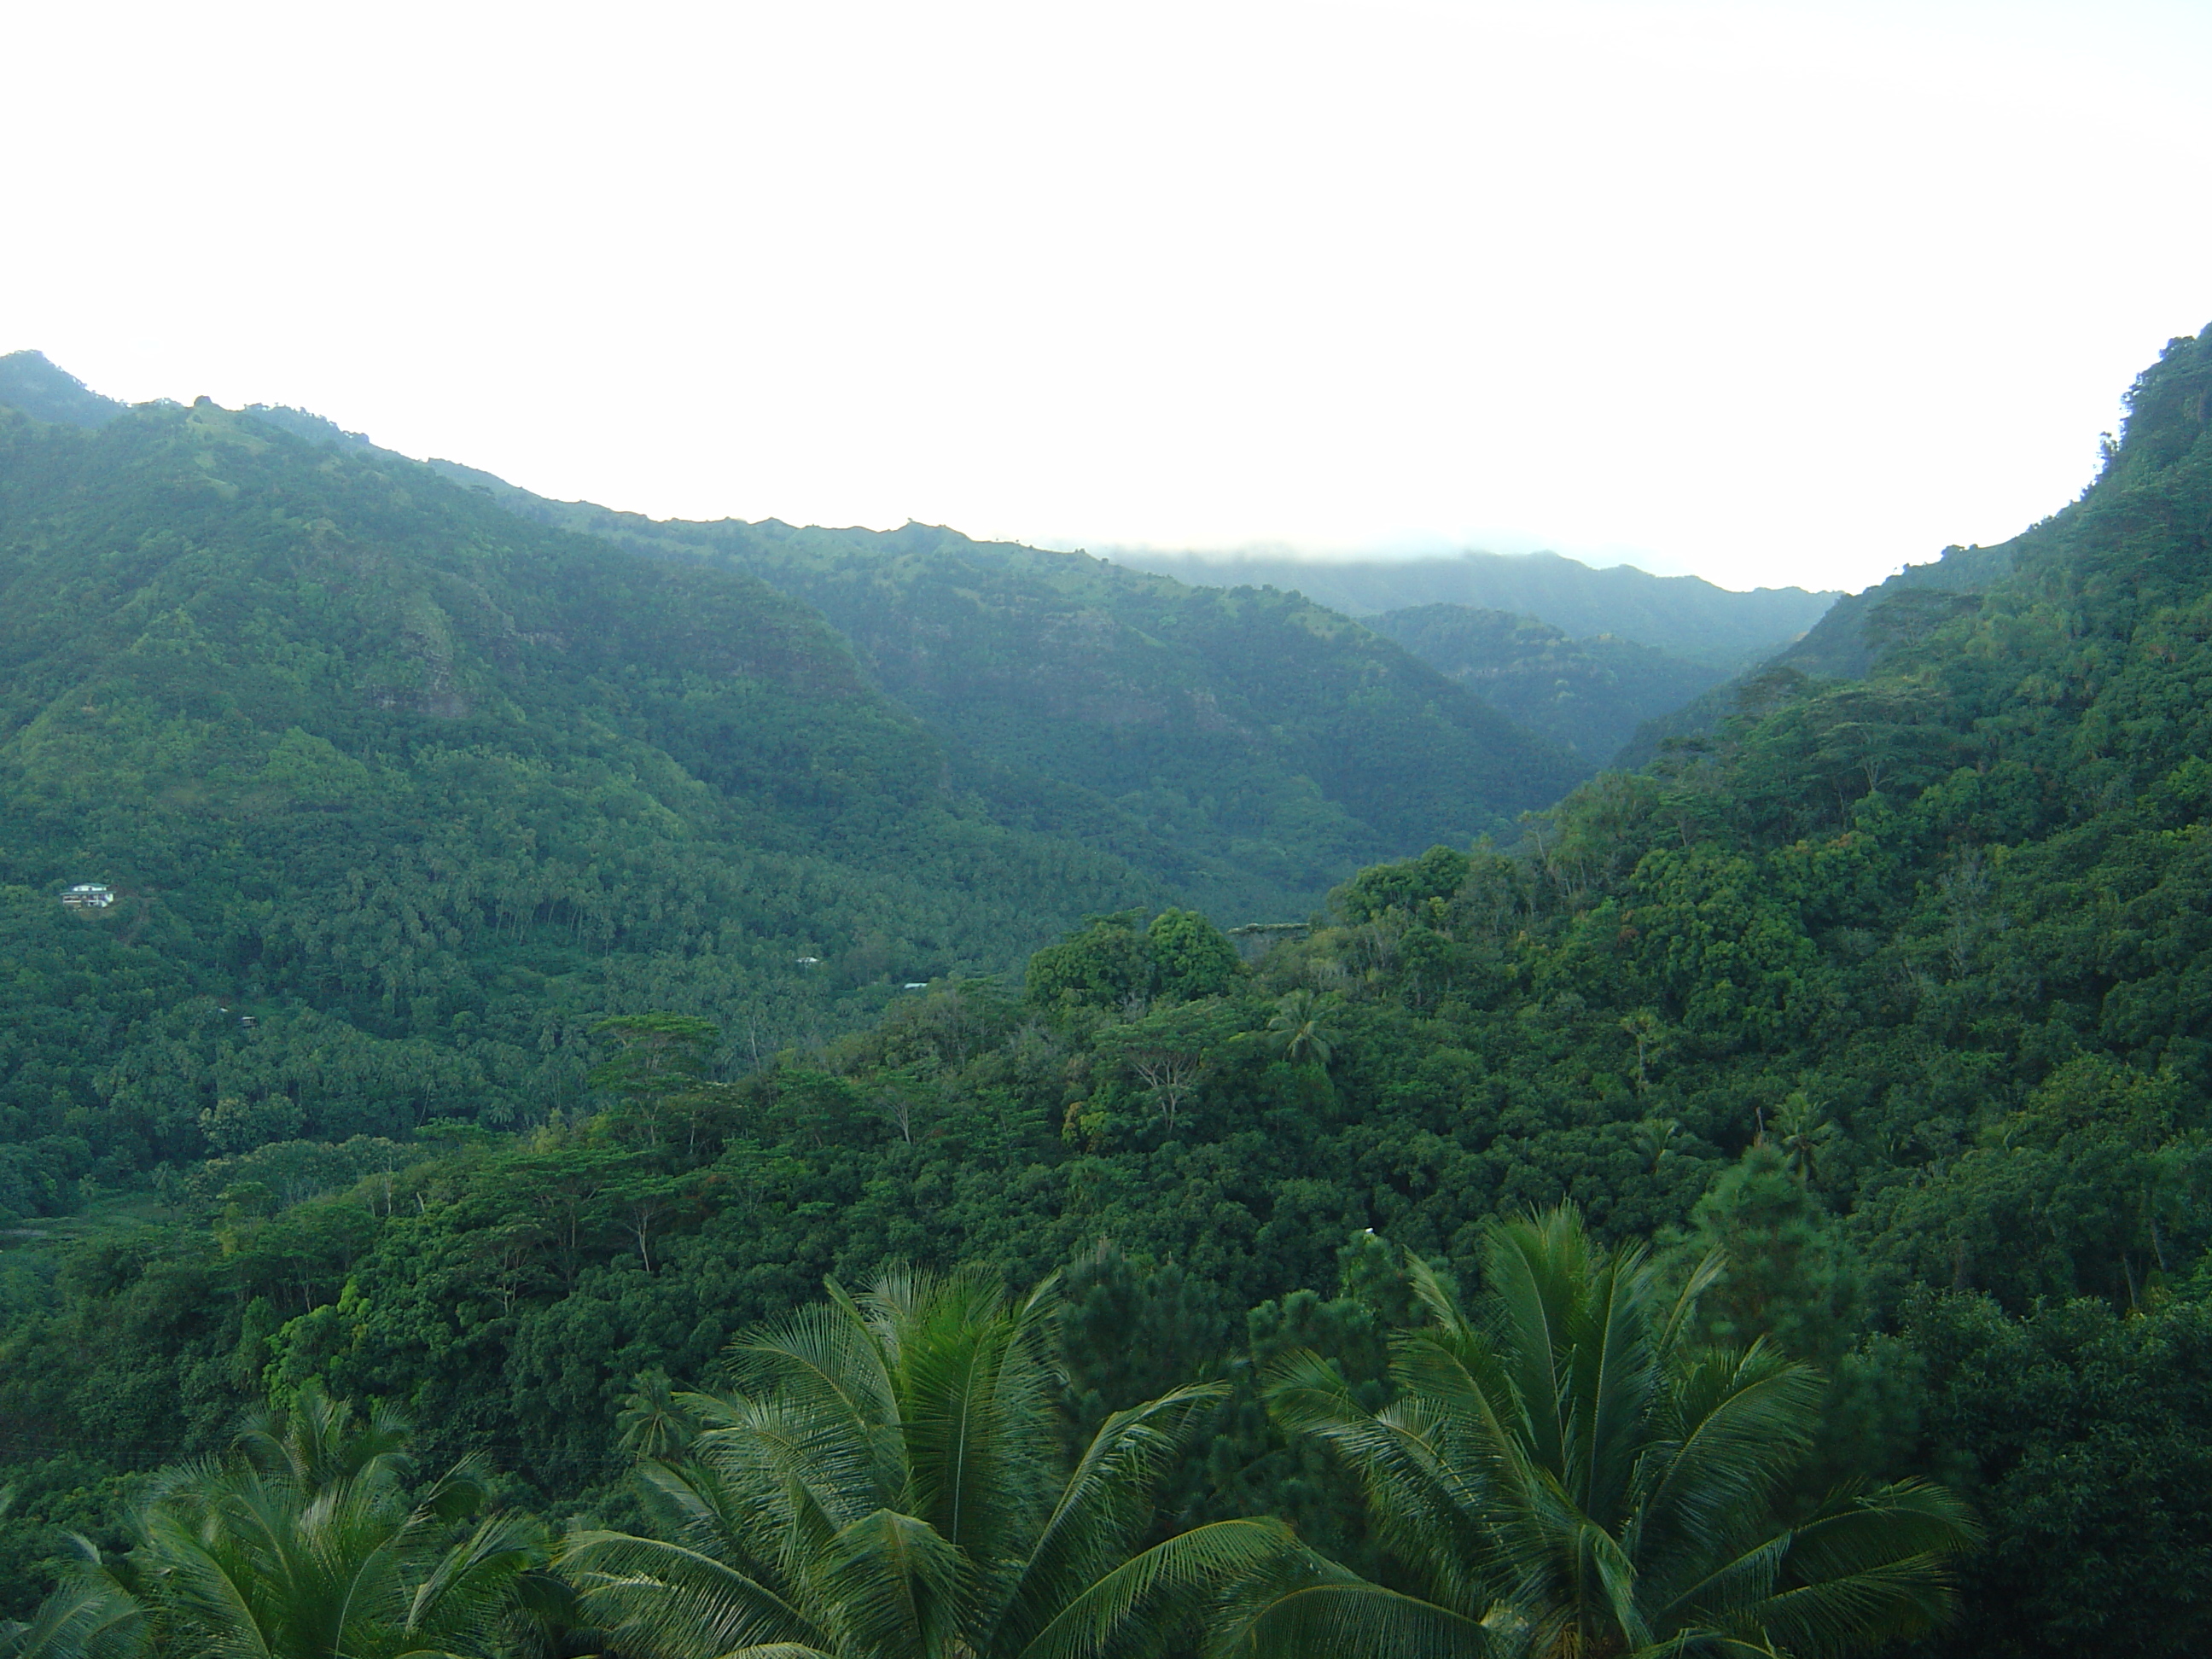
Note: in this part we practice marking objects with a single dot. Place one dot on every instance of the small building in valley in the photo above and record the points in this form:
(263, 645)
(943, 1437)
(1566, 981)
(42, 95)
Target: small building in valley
(88, 895)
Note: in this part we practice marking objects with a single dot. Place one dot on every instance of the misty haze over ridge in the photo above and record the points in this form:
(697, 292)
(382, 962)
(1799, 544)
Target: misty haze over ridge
(1686, 616)
(1588, 660)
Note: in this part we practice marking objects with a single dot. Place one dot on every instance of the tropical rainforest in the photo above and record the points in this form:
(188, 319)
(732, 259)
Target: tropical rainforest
(591, 1125)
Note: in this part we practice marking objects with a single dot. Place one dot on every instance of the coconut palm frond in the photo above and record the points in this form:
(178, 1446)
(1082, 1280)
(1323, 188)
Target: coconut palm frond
(1431, 1466)
(469, 1586)
(89, 1617)
(895, 1582)
(1146, 1599)
(1350, 1620)
(1740, 1420)
(662, 1598)
(1565, 1468)
(976, 1418)
(1104, 1506)
(886, 1478)
(1871, 1561)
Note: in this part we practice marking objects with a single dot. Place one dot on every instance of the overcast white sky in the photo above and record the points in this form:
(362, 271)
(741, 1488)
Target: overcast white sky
(1778, 293)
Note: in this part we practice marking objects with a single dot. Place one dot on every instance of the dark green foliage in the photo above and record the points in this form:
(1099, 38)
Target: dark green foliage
(1860, 629)
(1898, 614)
(310, 1537)
(1786, 1274)
(1116, 962)
(883, 1479)
(1190, 956)
(1108, 963)
(39, 1177)
(1128, 1334)
(1418, 887)
(2082, 1435)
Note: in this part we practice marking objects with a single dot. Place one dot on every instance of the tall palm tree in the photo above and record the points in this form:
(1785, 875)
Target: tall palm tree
(1568, 1475)
(886, 1481)
(303, 1543)
(1295, 1030)
(1804, 1136)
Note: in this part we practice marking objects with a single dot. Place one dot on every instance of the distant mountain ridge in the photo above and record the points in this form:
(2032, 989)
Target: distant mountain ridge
(1244, 746)
(1686, 617)
(1846, 644)
(1247, 749)
(44, 392)
(1865, 627)
(1588, 695)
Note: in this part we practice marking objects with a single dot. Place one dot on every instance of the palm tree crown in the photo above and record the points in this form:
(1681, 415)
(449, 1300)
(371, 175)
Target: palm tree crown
(1296, 1030)
(1568, 1475)
(303, 1543)
(884, 1480)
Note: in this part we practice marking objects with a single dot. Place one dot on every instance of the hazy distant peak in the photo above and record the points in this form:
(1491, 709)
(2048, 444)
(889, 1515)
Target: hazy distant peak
(305, 423)
(30, 383)
(1418, 564)
(1686, 616)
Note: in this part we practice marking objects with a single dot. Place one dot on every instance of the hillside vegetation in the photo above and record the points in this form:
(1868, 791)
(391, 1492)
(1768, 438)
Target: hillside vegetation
(1246, 749)
(397, 791)
(1244, 746)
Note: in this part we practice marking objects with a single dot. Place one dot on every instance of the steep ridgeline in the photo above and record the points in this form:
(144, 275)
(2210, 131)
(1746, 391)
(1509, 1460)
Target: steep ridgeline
(1686, 617)
(32, 385)
(395, 792)
(1589, 696)
(1247, 747)
(1858, 631)
(1898, 614)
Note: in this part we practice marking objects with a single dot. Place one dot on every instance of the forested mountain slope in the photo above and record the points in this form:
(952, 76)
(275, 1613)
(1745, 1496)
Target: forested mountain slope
(1246, 746)
(1898, 614)
(1589, 696)
(1896, 993)
(416, 789)
(35, 387)
(1686, 617)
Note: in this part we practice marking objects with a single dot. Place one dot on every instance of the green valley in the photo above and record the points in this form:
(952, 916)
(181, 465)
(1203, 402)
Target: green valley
(1244, 745)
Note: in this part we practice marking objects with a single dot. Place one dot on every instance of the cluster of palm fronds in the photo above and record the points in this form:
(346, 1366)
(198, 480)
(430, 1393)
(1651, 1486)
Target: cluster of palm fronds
(1563, 1473)
(312, 1537)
